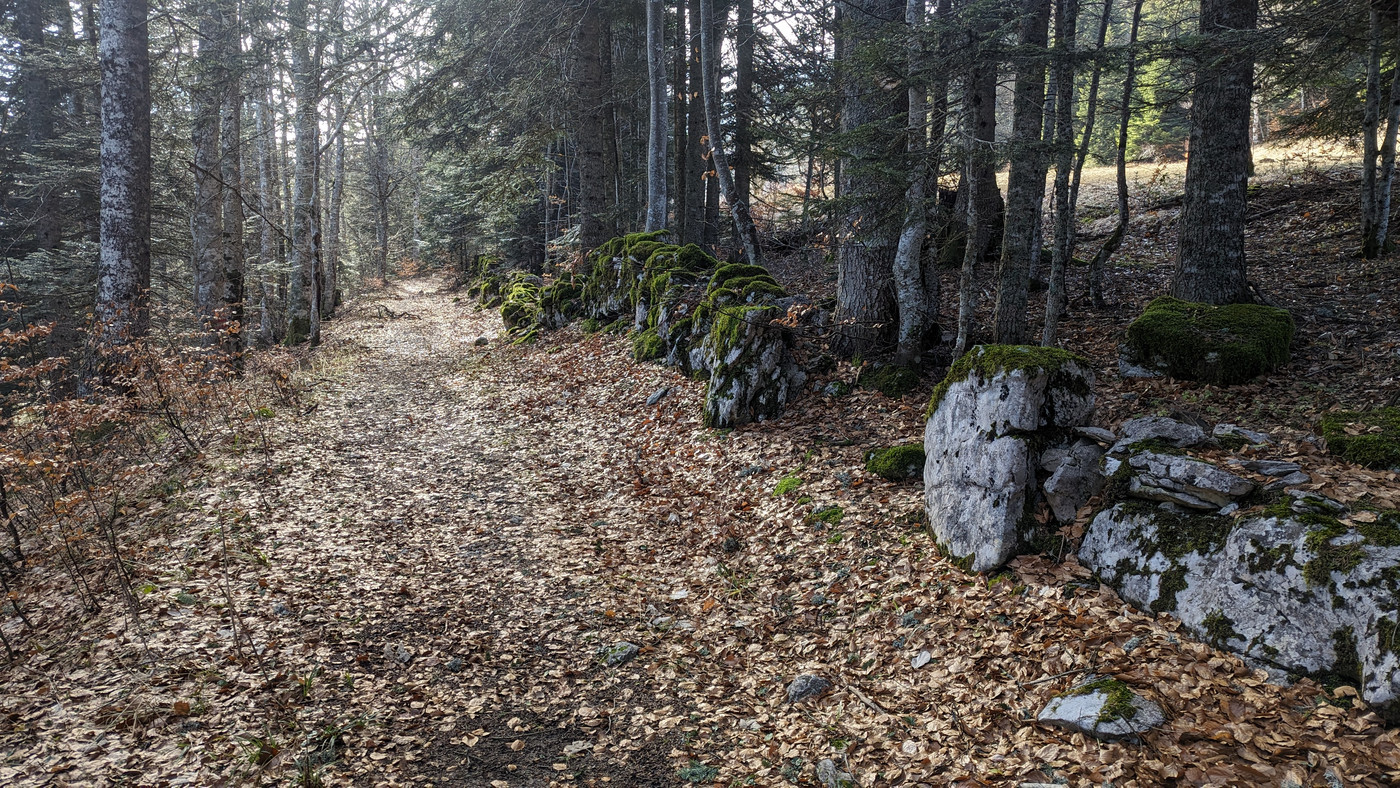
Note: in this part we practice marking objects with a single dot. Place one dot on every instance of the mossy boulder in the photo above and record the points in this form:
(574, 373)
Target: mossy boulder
(896, 463)
(752, 371)
(520, 307)
(1223, 345)
(1370, 438)
(891, 380)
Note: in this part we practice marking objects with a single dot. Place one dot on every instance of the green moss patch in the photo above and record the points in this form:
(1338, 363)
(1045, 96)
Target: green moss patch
(1212, 344)
(647, 346)
(988, 360)
(1119, 703)
(786, 485)
(1370, 438)
(896, 463)
(1219, 628)
(892, 381)
(831, 515)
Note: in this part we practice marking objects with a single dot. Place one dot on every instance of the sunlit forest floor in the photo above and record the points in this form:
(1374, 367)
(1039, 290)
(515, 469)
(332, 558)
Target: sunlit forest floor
(414, 583)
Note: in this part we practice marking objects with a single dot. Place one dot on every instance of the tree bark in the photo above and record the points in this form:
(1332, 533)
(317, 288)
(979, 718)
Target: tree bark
(305, 313)
(124, 262)
(738, 209)
(1061, 254)
(911, 296)
(206, 218)
(696, 219)
(1387, 173)
(656, 141)
(1210, 265)
(865, 306)
(1370, 140)
(983, 198)
(595, 183)
(1026, 179)
(269, 222)
(680, 89)
(745, 103)
(330, 281)
(231, 174)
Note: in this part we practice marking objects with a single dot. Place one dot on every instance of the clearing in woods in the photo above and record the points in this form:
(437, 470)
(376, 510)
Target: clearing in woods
(413, 586)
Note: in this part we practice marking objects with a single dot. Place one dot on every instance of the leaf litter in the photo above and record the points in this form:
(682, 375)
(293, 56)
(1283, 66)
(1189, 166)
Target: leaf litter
(413, 587)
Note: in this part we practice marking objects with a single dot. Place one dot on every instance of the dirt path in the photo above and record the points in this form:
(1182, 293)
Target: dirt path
(413, 585)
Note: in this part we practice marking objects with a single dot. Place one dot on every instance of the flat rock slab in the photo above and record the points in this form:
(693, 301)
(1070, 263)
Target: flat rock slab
(618, 654)
(1193, 477)
(1160, 428)
(807, 686)
(1083, 710)
(1272, 467)
(831, 776)
(1235, 431)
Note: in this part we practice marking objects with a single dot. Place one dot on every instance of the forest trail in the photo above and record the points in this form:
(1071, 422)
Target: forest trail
(411, 585)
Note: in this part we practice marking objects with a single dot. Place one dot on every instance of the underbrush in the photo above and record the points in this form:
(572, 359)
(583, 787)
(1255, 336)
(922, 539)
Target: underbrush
(89, 442)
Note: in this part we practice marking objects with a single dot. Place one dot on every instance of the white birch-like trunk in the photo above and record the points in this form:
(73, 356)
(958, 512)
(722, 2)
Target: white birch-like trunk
(124, 261)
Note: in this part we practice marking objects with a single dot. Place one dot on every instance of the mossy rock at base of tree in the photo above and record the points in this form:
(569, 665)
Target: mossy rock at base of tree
(1370, 438)
(892, 381)
(896, 463)
(1224, 345)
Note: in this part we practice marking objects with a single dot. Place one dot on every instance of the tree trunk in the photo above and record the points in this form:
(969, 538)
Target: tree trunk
(1387, 173)
(1210, 264)
(738, 209)
(696, 219)
(231, 174)
(330, 281)
(680, 89)
(269, 221)
(206, 217)
(595, 183)
(911, 296)
(1125, 116)
(983, 197)
(1061, 253)
(865, 306)
(1026, 180)
(124, 262)
(304, 318)
(745, 103)
(1370, 138)
(382, 185)
(656, 141)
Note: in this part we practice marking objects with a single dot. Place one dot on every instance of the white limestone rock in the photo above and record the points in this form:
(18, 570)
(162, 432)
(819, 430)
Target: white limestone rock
(1103, 708)
(980, 472)
(1288, 595)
